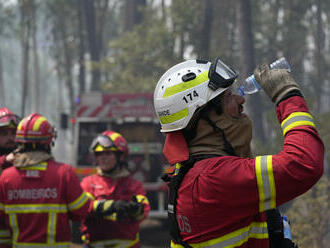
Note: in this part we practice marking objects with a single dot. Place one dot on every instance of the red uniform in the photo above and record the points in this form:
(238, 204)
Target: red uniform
(109, 232)
(5, 238)
(221, 200)
(38, 201)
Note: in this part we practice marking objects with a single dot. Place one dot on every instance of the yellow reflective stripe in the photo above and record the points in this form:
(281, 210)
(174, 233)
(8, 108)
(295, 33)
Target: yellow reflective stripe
(257, 230)
(35, 208)
(297, 119)
(51, 227)
(38, 122)
(79, 202)
(2, 208)
(4, 233)
(14, 226)
(142, 199)
(265, 182)
(174, 117)
(42, 245)
(118, 243)
(95, 204)
(201, 78)
(177, 168)
(42, 167)
(112, 217)
(5, 241)
(90, 196)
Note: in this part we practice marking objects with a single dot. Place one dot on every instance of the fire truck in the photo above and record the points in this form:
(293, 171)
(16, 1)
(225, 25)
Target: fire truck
(133, 116)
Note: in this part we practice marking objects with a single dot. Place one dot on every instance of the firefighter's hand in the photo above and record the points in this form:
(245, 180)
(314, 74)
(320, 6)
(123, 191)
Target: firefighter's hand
(108, 207)
(136, 209)
(122, 209)
(276, 83)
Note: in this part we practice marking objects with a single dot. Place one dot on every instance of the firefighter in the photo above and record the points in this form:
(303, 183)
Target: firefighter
(8, 124)
(127, 203)
(39, 196)
(218, 192)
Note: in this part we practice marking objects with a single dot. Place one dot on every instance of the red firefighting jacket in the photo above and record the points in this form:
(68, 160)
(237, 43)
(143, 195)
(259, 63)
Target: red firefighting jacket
(221, 200)
(108, 231)
(37, 203)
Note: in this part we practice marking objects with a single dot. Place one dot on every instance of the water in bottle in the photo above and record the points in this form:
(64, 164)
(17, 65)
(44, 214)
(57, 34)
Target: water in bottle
(250, 85)
(286, 228)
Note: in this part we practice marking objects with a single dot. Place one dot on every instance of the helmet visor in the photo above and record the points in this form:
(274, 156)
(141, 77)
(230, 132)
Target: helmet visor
(103, 141)
(221, 75)
(7, 120)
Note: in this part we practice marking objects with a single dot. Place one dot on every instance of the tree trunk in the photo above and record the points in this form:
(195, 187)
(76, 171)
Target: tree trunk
(248, 65)
(81, 49)
(94, 51)
(319, 58)
(36, 106)
(132, 13)
(25, 36)
(204, 48)
(2, 87)
(100, 23)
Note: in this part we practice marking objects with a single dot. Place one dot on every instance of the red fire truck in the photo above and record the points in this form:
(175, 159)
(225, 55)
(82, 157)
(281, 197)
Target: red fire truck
(133, 116)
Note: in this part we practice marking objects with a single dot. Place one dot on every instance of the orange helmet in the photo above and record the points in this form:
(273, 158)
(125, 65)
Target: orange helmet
(8, 119)
(35, 129)
(110, 141)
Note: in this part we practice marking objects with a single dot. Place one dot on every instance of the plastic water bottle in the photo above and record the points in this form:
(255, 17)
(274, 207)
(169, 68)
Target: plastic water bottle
(286, 228)
(251, 86)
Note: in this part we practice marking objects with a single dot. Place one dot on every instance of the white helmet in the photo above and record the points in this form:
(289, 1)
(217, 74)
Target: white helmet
(186, 87)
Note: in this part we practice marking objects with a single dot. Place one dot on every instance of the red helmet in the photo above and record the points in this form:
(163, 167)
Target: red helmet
(8, 119)
(35, 129)
(110, 141)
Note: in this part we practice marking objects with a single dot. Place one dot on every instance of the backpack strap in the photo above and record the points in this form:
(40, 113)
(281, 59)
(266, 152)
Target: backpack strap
(174, 185)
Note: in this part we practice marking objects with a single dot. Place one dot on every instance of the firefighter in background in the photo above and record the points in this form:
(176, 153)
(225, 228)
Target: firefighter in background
(127, 203)
(8, 124)
(218, 192)
(39, 196)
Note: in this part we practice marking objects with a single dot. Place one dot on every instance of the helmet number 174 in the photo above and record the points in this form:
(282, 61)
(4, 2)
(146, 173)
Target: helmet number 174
(190, 96)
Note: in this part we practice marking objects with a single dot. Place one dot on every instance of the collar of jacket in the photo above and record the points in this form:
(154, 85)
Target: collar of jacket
(30, 158)
(175, 147)
(117, 173)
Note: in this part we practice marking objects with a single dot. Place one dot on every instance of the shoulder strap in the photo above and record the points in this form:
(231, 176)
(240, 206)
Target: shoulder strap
(174, 186)
(275, 227)
(276, 230)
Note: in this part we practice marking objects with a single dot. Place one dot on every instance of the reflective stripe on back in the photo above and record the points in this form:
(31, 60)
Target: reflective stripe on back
(257, 230)
(265, 182)
(35, 208)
